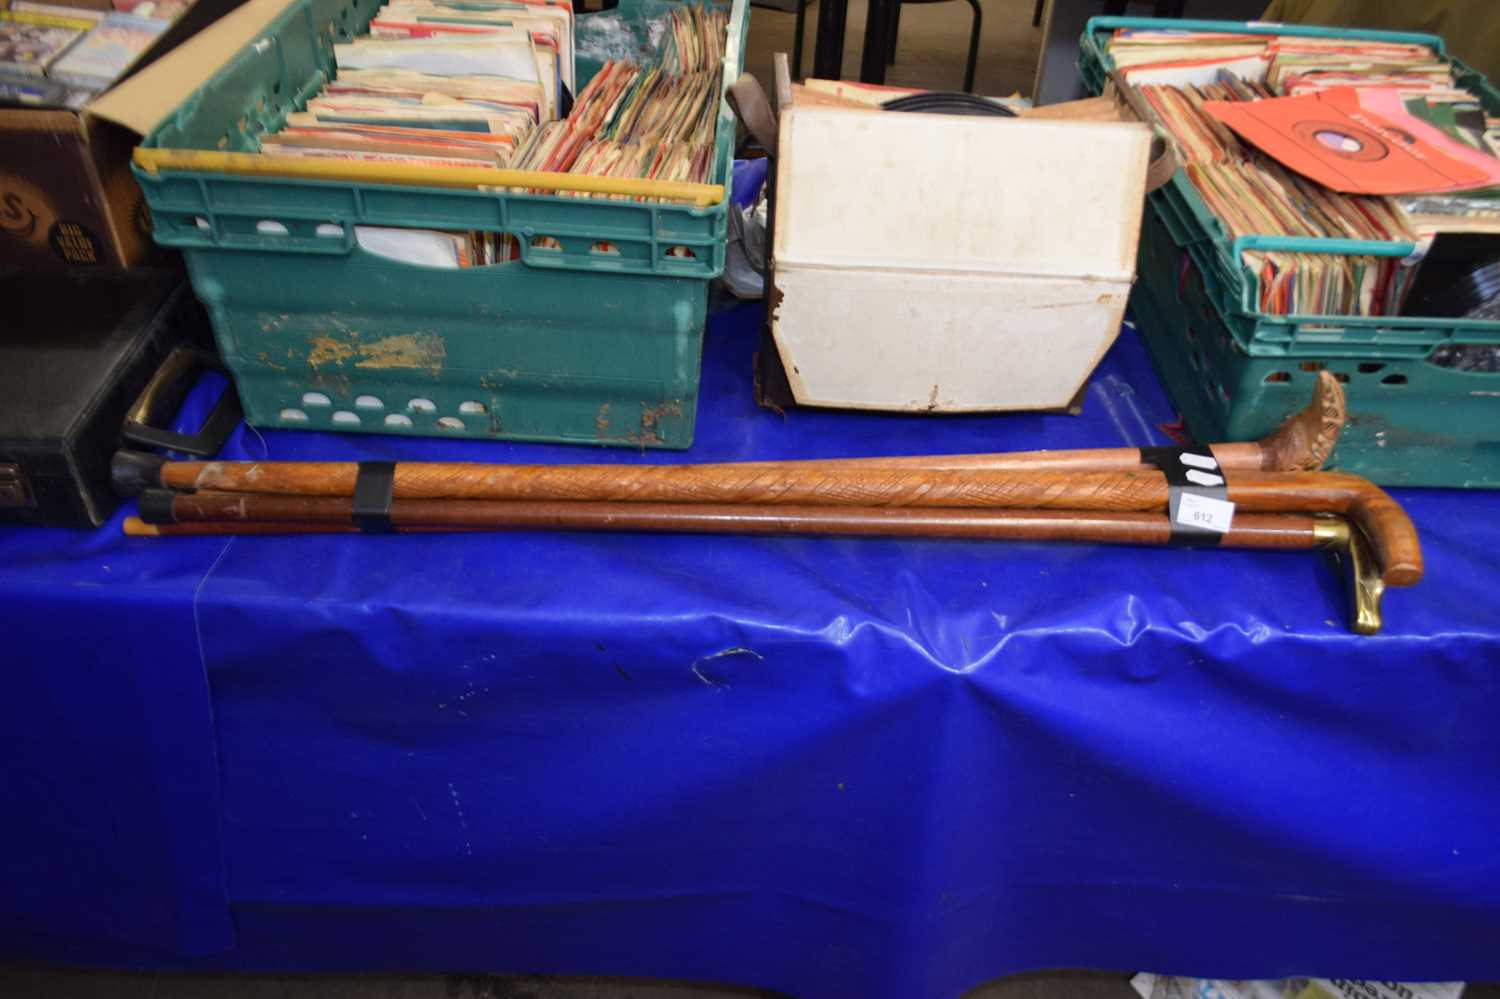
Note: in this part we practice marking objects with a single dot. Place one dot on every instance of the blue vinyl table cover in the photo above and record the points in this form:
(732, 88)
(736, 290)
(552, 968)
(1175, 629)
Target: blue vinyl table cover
(865, 768)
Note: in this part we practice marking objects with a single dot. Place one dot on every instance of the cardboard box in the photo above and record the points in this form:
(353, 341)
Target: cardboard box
(67, 197)
(950, 264)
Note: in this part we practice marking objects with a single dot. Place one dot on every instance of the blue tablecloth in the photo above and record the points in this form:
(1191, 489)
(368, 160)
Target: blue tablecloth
(832, 767)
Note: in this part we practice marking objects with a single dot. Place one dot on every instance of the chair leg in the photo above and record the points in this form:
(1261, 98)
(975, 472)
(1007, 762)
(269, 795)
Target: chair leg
(890, 59)
(973, 48)
(828, 40)
(797, 42)
(1036, 13)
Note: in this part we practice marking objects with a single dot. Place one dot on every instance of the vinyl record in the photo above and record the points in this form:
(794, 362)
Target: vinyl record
(1333, 140)
(1343, 139)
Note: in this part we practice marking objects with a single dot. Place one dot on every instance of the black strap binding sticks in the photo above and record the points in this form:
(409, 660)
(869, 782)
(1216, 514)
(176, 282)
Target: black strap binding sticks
(374, 488)
(1197, 504)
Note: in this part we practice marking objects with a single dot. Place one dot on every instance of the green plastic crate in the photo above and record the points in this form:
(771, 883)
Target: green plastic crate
(1235, 372)
(1411, 423)
(598, 341)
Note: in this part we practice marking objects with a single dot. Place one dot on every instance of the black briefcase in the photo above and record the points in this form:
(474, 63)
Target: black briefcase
(79, 355)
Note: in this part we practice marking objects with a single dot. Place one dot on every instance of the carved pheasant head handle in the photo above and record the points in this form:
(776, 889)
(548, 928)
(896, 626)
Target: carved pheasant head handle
(1306, 439)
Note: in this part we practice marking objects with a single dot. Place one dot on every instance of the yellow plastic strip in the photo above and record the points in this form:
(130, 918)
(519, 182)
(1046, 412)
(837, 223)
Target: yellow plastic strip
(266, 165)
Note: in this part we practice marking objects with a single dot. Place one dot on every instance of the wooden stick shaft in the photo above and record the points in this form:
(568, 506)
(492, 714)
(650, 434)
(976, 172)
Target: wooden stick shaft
(304, 514)
(135, 527)
(1231, 457)
(797, 482)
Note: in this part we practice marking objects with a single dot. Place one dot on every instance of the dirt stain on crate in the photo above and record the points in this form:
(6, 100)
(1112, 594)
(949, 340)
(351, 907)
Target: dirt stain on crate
(327, 350)
(410, 350)
(406, 350)
(651, 417)
(264, 357)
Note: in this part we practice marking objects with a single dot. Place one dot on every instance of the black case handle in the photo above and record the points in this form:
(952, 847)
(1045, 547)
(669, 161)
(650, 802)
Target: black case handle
(160, 399)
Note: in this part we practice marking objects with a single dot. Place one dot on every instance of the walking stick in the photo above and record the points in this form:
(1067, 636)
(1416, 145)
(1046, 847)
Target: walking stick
(224, 513)
(1302, 443)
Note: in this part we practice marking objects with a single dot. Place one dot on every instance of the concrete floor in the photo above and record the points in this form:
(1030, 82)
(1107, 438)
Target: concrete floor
(25, 982)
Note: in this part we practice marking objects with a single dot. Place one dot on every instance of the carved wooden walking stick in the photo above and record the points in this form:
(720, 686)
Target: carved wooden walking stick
(1302, 443)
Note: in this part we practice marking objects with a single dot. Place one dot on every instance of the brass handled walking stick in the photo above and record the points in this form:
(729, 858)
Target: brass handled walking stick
(226, 513)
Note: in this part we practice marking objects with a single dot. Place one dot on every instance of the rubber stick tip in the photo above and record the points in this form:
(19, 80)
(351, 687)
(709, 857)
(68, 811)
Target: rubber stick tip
(135, 527)
(133, 472)
(155, 506)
